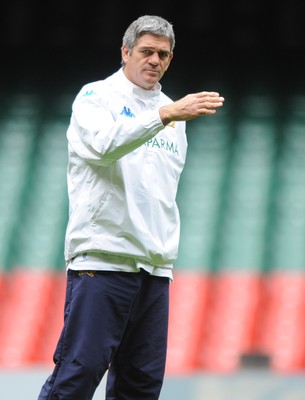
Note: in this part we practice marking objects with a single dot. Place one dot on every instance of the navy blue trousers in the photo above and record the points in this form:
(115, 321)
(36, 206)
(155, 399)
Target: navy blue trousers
(115, 322)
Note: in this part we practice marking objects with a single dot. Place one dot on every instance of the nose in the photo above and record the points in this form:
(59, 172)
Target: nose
(154, 58)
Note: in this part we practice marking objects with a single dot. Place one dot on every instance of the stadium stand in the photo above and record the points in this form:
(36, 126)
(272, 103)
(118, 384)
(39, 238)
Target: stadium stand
(230, 321)
(189, 304)
(200, 193)
(287, 228)
(239, 286)
(18, 130)
(280, 321)
(242, 239)
(23, 316)
(39, 239)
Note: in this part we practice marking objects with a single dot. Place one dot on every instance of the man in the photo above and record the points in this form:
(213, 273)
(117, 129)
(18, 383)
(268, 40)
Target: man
(127, 148)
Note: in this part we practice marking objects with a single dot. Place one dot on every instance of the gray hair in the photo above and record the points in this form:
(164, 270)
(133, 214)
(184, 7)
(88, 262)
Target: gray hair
(151, 24)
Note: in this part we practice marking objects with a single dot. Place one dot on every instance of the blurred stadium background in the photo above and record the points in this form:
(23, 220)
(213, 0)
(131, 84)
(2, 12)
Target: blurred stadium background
(237, 319)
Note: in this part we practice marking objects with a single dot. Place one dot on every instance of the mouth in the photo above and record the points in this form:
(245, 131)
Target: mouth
(152, 71)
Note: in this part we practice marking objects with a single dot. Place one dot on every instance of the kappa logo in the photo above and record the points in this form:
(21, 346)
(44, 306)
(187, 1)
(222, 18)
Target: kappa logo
(126, 111)
(89, 93)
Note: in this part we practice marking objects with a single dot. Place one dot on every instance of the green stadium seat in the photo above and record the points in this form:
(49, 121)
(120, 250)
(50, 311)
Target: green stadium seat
(287, 218)
(246, 195)
(40, 238)
(18, 130)
(199, 195)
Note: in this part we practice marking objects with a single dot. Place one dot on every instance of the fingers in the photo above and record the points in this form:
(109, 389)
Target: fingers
(205, 93)
(210, 101)
(212, 97)
(191, 106)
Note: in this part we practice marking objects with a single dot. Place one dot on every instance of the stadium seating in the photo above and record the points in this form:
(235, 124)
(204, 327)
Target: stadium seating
(281, 323)
(242, 240)
(188, 294)
(230, 322)
(18, 130)
(287, 228)
(239, 283)
(23, 315)
(200, 194)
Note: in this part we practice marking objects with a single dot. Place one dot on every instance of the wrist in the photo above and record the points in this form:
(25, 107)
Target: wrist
(165, 115)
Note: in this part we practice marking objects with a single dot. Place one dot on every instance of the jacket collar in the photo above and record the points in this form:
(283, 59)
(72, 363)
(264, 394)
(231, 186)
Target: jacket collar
(137, 91)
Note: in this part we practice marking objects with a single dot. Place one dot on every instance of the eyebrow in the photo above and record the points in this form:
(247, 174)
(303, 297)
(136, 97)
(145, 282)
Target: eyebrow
(154, 49)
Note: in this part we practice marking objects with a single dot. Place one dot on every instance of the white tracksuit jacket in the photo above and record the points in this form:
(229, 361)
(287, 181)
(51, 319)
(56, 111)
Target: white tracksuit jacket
(123, 173)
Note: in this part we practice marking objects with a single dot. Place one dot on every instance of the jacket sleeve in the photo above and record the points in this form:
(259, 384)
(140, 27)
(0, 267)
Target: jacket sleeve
(100, 138)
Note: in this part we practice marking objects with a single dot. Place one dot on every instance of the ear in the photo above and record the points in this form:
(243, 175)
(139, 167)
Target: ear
(125, 53)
